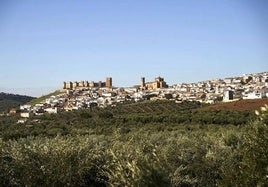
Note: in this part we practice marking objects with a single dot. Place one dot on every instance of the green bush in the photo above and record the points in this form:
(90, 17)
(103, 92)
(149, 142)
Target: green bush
(249, 166)
(106, 114)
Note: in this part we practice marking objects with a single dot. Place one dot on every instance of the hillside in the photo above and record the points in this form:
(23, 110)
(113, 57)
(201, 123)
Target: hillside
(241, 105)
(40, 99)
(154, 107)
(8, 101)
(128, 116)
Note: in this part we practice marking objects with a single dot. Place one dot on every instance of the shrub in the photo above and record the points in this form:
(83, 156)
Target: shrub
(105, 114)
(249, 166)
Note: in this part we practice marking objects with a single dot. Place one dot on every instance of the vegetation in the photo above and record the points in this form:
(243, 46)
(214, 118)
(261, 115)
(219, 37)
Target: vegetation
(138, 144)
(8, 101)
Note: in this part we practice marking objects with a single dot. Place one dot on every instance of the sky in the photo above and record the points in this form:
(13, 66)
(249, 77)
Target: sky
(46, 42)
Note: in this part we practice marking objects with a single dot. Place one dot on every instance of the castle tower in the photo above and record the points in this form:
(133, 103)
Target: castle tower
(99, 84)
(75, 85)
(109, 82)
(143, 82)
(81, 84)
(69, 85)
(86, 84)
(91, 84)
(64, 85)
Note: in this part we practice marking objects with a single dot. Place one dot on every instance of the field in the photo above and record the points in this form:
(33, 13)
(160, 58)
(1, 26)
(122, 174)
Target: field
(249, 104)
(159, 143)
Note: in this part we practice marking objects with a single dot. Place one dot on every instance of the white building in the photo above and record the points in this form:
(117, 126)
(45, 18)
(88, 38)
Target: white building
(228, 96)
(25, 107)
(25, 114)
(52, 110)
(253, 95)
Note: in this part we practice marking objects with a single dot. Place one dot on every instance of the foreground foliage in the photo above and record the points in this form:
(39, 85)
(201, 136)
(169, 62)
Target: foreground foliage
(139, 153)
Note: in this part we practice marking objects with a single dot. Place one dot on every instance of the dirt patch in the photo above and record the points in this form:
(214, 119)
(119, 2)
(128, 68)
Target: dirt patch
(248, 104)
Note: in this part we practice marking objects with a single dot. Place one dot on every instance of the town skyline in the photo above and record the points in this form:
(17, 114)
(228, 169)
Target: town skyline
(44, 43)
(100, 84)
(89, 94)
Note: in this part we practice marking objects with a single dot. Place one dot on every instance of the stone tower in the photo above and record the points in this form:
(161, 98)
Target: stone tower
(143, 82)
(64, 85)
(109, 82)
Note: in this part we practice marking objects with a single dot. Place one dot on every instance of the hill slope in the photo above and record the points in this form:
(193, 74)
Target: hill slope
(153, 107)
(8, 101)
(40, 99)
(241, 105)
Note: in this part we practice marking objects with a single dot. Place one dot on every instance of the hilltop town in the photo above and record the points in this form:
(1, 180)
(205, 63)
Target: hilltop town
(87, 95)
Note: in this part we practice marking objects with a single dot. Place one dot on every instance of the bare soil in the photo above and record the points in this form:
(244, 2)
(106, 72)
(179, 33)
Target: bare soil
(248, 104)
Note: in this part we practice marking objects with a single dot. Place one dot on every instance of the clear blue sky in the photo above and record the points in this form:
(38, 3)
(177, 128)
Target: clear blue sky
(43, 43)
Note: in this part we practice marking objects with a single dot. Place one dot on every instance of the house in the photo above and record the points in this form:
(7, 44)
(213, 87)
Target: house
(228, 80)
(39, 112)
(25, 107)
(253, 95)
(228, 96)
(21, 121)
(13, 111)
(25, 114)
(54, 110)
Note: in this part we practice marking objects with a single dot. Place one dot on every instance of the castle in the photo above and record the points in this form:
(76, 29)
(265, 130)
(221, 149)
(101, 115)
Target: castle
(158, 83)
(87, 84)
